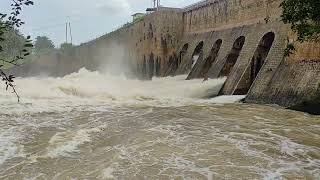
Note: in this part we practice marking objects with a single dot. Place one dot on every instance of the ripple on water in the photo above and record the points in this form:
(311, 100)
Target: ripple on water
(92, 126)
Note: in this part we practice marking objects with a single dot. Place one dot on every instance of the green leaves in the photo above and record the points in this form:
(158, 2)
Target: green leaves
(289, 50)
(2, 16)
(9, 27)
(10, 40)
(304, 17)
(28, 3)
(28, 45)
(43, 43)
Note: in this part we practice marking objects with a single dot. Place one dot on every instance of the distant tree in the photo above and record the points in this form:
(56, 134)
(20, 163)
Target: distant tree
(43, 43)
(304, 17)
(66, 46)
(9, 23)
(12, 46)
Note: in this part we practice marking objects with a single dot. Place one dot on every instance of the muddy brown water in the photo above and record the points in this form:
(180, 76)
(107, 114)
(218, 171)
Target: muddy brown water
(71, 131)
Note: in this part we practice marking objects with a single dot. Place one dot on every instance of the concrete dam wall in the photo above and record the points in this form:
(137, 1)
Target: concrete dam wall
(241, 39)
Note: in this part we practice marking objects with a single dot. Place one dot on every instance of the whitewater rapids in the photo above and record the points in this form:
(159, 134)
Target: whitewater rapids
(93, 88)
(89, 125)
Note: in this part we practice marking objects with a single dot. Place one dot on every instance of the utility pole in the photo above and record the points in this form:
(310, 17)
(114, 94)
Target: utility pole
(70, 32)
(154, 3)
(66, 32)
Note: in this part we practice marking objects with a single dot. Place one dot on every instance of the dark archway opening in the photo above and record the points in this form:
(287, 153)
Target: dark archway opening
(144, 67)
(211, 59)
(182, 53)
(175, 61)
(197, 54)
(151, 66)
(232, 57)
(257, 61)
(261, 54)
(158, 67)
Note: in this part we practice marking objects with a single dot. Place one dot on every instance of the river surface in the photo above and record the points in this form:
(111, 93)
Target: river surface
(97, 126)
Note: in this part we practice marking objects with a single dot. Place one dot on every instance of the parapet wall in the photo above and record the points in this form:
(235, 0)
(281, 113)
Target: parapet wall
(226, 14)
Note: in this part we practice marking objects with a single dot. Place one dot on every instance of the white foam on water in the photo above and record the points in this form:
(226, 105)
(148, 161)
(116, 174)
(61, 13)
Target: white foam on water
(227, 99)
(8, 146)
(108, 173)
(85, 90)
(182, 164)
(292, 148)
(94, 88)
(68, 142)
(195, 59)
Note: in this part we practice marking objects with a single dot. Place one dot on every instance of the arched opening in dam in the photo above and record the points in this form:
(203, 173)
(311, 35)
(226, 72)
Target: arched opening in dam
(176, 60)
(232, 57)
(183, 52)
(197, 53)
(257, 61)
(151, 66)
(210, 59)
(261, 54)
(158, 67)
(144, 66)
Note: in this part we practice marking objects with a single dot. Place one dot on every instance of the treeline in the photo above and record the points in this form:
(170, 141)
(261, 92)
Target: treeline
(14, 45)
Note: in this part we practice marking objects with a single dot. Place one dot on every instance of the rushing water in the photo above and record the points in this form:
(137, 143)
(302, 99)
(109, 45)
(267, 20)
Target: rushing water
(93, 126)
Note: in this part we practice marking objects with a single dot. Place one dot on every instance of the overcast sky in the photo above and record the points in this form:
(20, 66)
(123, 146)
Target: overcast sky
(89, 18)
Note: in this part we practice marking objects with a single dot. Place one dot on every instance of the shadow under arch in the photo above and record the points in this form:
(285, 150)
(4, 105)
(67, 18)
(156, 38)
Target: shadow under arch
(232, 57)
(151, 66)
(256, 63)
(175, 62)
(197, 54)
(144, 67)
(201, 69)
(211, 59)
(183, 52)
(158, 67)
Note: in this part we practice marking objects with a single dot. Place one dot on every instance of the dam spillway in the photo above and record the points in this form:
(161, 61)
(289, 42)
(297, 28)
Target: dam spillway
(164, 43)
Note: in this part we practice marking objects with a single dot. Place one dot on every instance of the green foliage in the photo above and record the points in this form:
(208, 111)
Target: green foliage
(13, 45)
(138, 19)
(43, 43)
(8, 25)
(289, 50)
(304, 17)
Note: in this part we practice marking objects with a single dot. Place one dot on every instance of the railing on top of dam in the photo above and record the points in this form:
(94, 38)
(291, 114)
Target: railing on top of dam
(198, 5)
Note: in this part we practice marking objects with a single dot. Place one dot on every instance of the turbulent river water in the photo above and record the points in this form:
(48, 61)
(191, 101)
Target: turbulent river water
(89, 125)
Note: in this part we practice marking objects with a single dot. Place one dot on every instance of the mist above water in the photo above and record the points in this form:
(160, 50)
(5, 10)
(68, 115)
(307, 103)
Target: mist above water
(95, 88)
